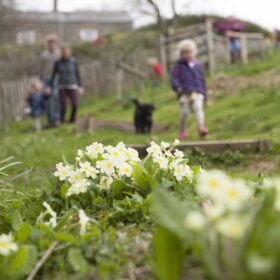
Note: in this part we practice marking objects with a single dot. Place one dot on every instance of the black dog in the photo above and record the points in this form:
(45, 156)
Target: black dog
(143, 117)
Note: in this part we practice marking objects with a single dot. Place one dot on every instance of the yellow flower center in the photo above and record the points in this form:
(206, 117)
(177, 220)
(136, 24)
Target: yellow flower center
(232, 194)
(76, 177)
(4, 245)
(108, 165)
(213, 184)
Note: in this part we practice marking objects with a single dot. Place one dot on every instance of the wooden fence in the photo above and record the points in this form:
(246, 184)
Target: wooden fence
(213, 49)
(12, 99)
(98, 78)
(111, 73)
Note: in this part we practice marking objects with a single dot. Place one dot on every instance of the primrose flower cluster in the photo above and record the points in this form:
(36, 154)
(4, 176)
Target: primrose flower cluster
(97, 165)
(225, 204)
(171, 160)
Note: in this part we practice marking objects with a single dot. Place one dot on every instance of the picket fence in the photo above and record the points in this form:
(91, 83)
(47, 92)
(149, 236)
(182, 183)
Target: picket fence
(97, 77)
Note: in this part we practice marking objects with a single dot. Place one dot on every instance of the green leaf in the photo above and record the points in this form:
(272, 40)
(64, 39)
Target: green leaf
(19, 264)
(169, 254)
(166, 183)
(196, 170)
(16, 220)
(23, 232)
(143, 179)
(117, 187)
(63, 190)
(66, 237)
(77, 260)
(170, 212)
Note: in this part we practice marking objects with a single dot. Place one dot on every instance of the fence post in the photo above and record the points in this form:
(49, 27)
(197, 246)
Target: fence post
(227, 50)
(262, 47)
(210, 45)
(244, 49)
(119, 84)
(163, 53)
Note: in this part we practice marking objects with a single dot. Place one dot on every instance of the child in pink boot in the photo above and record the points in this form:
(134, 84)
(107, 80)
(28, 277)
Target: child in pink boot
(189, 83)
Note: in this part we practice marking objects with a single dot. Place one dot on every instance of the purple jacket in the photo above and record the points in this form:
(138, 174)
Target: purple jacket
(229, 25)
(190, 79)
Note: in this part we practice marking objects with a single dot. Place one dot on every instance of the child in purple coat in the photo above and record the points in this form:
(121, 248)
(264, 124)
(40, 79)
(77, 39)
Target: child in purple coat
(189, 83)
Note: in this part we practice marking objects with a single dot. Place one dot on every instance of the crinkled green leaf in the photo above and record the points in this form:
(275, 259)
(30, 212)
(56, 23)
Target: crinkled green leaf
(19, 264)
(66, 237)
(77, 260)
(169, 254)
(143, 179)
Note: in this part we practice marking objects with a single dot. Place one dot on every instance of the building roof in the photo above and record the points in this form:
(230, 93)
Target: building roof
(77, 17)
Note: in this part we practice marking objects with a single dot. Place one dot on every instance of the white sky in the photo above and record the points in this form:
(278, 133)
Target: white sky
(264, 12)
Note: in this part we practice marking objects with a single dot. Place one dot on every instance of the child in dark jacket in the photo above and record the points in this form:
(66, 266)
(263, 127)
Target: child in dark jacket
(35, 100)
(189, 83)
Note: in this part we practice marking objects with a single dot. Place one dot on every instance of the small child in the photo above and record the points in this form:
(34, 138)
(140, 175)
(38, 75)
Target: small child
(189, 83)
(156, 70)
(35, 99)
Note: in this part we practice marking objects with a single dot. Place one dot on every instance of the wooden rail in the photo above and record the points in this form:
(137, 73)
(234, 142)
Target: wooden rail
(260, 145)
(211, 45)
(132, 70)
(124, 67)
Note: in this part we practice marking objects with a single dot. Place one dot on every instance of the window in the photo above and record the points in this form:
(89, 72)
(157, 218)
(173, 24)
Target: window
(89, 35)
(27, 37)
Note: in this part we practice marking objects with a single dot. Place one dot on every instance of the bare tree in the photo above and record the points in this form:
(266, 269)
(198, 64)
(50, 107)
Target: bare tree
(175, 15)
(154, 8)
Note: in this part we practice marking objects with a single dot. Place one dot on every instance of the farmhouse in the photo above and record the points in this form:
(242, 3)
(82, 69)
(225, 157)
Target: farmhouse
(71, 27)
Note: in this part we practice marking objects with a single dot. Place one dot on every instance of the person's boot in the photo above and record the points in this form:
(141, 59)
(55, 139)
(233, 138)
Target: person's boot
(202, 131)
(183, 134)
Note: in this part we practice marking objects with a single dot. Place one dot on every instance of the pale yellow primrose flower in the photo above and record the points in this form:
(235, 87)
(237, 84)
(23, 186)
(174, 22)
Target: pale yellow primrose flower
(211, 184)
(195, 221)
(106, 166)
(237, 193)
(78, 187)
(89, 170)
(232, 226)
(75, 176)
(105, 182)
(94, 150)
(7, 245)
(125, 170)
(182, 171)
(84, 220)
(161, 161)
(62, 171)
(154, 149)
(164, 145)
(213, 212)
(52, 221)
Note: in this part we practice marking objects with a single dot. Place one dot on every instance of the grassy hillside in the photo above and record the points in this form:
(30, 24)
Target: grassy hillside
(250, 113)
(118, 241)
(184, 20)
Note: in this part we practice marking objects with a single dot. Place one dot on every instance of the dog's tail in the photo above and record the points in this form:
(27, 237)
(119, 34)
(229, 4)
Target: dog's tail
(135, 102)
